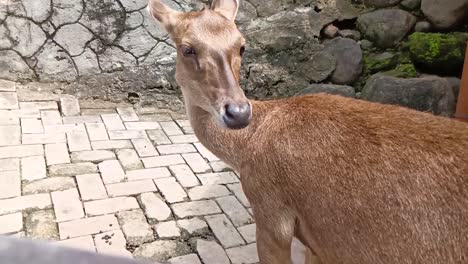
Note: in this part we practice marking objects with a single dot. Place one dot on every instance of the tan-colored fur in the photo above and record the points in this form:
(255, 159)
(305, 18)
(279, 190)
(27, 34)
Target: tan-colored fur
(356, 182)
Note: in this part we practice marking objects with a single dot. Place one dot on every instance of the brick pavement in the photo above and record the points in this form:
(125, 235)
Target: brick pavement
(124, 181)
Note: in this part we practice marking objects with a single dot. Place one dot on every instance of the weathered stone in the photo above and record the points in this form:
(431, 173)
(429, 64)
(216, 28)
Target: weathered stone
(422, 26)
(10, 184)
(132, 5)
(224, 231)
(92, 156)
(11, 223)
(380, 62)
(194, 226)
(87, 63)
(27, 42)
(343, 90)
(134, 20)
(199, 208)
(244, 254)
(73, 38)
(330, 31)
(134, 225)
(54, 64)
(168, 230)
(115, 59)
(72, 169)
(455, 82)
(351, 34)
(187, 259)
(105, 18)
(110, 206)
(248, 232)
(37, 10)
(446, 14)
(381, 3)
(211, 252)
(88, 226)
(138, 42)
(161, 54)
(386, 27)
(161, 250)
(5, 40)
(348, 56)
(41, 225)
(112, 243)
(411, 4)
(155, 209)
(48, 185)
(428, 94)
(66, 11)
(153, 27)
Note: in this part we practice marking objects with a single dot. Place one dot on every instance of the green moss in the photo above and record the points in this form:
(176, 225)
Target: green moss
(380, 62)
(436, 51)
(404, 71)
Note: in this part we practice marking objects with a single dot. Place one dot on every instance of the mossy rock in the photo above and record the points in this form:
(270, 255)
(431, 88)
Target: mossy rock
(374, 63)
(406, 70)
(438, 53)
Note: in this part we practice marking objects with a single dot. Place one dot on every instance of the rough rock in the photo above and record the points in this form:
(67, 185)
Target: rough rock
(438, 52)
(343, 90)
(380, 62)
(73, 38)
(161, 250)
(348, 56)
(5, 41)
(132, 5)
(366, 44)
(137, 42)
(445, 14)
(428, 94)
(105, 18)
(41, 225)
(12, 66)
(134, 20)
(3, 13)
(134, 225)
(386, 27)
(330, 31)
(27, 36)
(153, 27)
(411, 4)
(422, 26)
(115, 59)
(53, 64)
(66, 11)
(381, 3)
(455, 82)
(37, 10)
(162, 54)
(87, 63)
(349, 33)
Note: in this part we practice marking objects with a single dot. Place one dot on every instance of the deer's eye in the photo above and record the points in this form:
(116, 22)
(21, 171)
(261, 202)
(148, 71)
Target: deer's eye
(242, 51)
(188, 51)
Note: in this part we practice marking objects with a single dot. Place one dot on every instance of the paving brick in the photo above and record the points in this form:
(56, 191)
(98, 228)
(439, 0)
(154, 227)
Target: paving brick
(248, 232)
(67, 205)
(208, 192)
(9, 117)
(11, 223)
(97, 131)
(46, 138)
(184, 139)
(205, 152)
(41, 225)
(194, 226)
(85, 243)
(78, 141)
(168, 230)
(31, 126)
(88, 226)
(158, 137)
(196, 163)
(130, 188)
(51, 117)
(72, 169)
(187, 259)
(129, 159)
(57, 154)
(184, 175)
(144, 147)
(163, 161)
(171, 190)
(38, 105)
(112, 243)
(10, 135)
(111, 171)
(113, 122)
(134, 226)
(64, 128)
(155, 209)
(176, 149)
(126, 134)
(211, 252)
(92, 156)
(156, 117)
(235, 211)
(111, 144)
(82, 119)
(217, 178)
(239, 193)
(171, 128)
(219, 166)
(110, 206)
(127, 114)
(144, 174)
(21, 151)
(224, 231)
(33, 168)
(9, 164)
(91, 187)
(142, 125)
(183, 123)
(27, 202)
(97, 111)
(161, 250)
(8, 100)
(48, 185)
(10, 184)
(243, 255)
(69, 105)
(198, 208)
(7, 86)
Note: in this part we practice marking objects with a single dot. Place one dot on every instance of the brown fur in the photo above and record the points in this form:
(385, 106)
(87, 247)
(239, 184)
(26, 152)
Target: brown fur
(356, 182)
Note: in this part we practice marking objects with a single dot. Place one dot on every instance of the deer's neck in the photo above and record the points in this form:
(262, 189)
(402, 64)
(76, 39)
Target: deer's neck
(228, 145)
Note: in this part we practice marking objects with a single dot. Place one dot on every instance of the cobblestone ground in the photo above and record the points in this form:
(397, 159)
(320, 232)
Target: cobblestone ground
(124, 181)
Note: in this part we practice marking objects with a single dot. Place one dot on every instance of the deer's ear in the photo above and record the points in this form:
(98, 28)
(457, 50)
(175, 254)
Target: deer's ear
(161, 12)
(227, 8)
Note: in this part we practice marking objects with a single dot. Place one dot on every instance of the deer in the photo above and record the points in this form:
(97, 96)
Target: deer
(356, 182)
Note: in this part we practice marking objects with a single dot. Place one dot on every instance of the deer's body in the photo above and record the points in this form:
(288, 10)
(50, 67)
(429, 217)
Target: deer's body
(356, 182)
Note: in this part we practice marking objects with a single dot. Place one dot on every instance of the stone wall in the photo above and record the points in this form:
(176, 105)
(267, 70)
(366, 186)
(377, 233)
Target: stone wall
(112, 49)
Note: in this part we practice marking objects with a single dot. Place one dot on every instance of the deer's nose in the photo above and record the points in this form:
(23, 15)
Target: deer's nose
(237, 116)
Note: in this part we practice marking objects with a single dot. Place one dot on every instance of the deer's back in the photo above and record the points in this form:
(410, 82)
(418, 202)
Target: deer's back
(368, 183)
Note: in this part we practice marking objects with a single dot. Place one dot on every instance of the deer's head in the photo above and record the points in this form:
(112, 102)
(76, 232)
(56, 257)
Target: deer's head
(209, 53)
